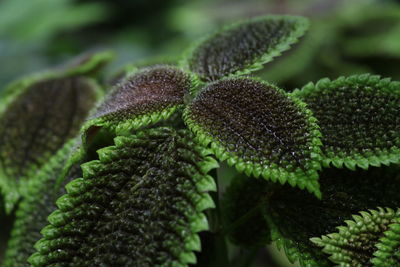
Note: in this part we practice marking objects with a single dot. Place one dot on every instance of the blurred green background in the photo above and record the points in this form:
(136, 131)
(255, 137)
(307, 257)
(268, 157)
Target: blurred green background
(346, 37)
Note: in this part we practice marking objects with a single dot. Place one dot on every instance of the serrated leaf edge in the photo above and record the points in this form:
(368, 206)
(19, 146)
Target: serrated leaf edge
(385, 156)
(198, 222)
(271, 172)
(302, 25)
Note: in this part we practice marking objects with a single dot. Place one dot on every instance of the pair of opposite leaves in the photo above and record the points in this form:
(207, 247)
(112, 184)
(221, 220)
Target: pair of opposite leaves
(253, 125)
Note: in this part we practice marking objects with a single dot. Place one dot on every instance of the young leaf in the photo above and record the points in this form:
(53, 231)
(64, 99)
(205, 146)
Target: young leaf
(355, 242)
(34, 207)
(244, 47)
(298, 216)
(140, 204)
(37, 123)
(242, 210)
(260, 129)
(145, 97)
(359, 118)
(388, 252)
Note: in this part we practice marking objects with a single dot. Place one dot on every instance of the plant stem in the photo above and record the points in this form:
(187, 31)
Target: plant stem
(216, 227)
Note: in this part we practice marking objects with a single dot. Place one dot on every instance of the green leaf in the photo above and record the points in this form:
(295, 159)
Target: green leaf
(140, 204)
(355, 242)
(35, 206)
(259, 129)
(295, 216)
(145, 97)
(297, 252)
(388, 252)
(36, 123)
(359, 118)
(87, 64)
(245, 46)
(242, 210)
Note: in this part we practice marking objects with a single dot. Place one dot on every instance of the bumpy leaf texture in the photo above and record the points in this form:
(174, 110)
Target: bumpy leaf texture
(242, 210)
(140, 204)
(245, 47)
(359, 118)
(259, 129)
(38, 122)
(388, 252)
(298, 216)
(144, 97)
(355, 242)
(35, 206)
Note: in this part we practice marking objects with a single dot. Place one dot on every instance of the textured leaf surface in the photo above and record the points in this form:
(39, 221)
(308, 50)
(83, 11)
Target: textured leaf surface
(299, 252)
(246, 46)
(355, 242)
(299, 216)
(35, 206)
(140, 204)
(259, 129)
(388, 252)
(146, 96)
(359, 118)
(87, 64)
(39, 121)
(242, 210)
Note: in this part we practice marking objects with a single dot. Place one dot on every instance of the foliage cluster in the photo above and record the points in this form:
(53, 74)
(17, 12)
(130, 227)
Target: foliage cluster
(126, 173)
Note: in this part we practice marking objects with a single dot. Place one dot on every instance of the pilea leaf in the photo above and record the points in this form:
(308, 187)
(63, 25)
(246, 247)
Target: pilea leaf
(388, 252)
(242, 210)
(140, 204)
(297, 252)
(37, 123)
(245, 46)
(145, 97)
(355, 242)
(296, 216)
(86, 64)
(39, 200)
(359, 118)
(260, 129)
(34, 207)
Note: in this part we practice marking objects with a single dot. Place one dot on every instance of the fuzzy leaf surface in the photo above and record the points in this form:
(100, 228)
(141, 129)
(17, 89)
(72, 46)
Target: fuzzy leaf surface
(145, 97)
(258, 128)
(359, 118)
(297, 216)
(140, 204)
(245, 46)
(355, 242)
(35, 206)
(37, 123)
(388, 247)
